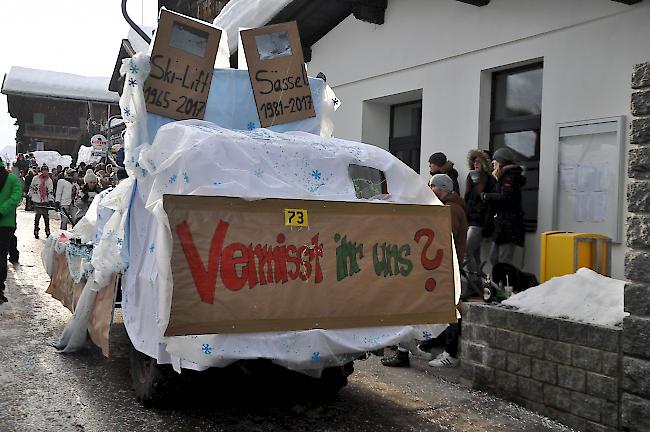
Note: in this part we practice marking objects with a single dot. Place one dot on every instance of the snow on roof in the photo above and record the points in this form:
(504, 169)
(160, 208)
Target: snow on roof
(584, 296)
(246, 14)
(37, 82)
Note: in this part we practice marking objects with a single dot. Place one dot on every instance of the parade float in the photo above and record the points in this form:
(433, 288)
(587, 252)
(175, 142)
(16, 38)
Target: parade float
(245, 231)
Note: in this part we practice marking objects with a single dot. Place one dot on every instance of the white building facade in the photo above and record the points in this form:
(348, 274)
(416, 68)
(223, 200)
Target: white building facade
(505, 73)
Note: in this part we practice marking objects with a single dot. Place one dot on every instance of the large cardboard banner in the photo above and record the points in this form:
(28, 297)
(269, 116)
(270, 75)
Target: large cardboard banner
(182, 62)
(277, 72)
(275, 265)
(63, 288)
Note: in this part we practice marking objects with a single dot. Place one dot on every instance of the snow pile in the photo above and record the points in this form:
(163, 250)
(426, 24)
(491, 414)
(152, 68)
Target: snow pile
(85, 155)
(37, 82)
(585, 296)
(52, 158)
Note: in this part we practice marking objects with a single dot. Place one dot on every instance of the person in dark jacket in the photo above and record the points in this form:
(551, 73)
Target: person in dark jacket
(506, 216)
(479, 180)
(10, 197)
(442, 186)
(438, 164)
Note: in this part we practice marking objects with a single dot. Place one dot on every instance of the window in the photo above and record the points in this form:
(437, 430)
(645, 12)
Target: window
(405, 131)
(39, 119)
(368, 182)
(515, 122)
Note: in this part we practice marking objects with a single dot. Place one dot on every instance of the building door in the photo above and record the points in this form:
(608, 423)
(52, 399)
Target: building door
(405, 133)
(516, 119)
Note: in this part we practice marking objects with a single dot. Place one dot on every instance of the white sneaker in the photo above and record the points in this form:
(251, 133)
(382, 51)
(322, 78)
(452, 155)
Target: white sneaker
(444, 360)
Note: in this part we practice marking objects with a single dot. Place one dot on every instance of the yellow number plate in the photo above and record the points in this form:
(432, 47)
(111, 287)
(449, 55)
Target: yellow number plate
(296, 217)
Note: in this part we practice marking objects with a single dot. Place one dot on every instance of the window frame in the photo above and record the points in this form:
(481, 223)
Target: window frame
(406, 143)
(519, 124)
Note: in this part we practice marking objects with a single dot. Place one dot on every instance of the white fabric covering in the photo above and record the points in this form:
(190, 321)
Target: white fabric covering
(200, 158)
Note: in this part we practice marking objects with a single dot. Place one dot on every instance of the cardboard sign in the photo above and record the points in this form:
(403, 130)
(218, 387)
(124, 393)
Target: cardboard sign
(63, 288)
(237, 267)
(277, 72)
(182, 62)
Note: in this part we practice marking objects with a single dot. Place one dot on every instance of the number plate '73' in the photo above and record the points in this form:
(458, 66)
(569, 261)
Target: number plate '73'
(296, 217)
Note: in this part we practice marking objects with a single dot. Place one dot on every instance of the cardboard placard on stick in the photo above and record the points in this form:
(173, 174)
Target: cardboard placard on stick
(182, 62)
(277, 72)
(243, 266)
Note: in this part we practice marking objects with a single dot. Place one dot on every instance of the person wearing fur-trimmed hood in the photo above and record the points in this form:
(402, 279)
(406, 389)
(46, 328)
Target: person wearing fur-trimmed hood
(478, 180)
(506, 214)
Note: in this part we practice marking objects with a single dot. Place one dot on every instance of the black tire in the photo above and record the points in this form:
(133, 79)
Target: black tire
(154, 384)
(331, 381)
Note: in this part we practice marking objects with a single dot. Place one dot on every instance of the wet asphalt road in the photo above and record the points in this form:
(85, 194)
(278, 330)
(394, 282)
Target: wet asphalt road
(41, 390)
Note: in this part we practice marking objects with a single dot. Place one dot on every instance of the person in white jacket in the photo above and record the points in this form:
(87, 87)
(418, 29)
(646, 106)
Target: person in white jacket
(42, 195)
(66, 193)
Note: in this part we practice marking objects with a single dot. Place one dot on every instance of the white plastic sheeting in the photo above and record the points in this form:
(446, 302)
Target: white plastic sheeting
(201, 158)
(584, 296)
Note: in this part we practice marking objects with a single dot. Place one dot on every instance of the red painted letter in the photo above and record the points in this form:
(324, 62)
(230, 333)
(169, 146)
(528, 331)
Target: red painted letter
(205, 281)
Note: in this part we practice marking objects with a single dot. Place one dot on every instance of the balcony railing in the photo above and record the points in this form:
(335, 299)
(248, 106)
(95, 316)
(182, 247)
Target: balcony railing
(52, 131)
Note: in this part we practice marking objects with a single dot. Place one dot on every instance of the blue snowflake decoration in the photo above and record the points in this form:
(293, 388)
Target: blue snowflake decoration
(251, 126)
(427, 335)
(152, 247)
(133, 68)
(315, 357)
(186, 178)
(206, 348)
(316, 174)
(132, 82)
(172, 179)
(259, 173)
(127, 112)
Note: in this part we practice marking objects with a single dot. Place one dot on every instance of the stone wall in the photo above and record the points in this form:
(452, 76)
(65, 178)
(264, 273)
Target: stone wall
(635, 401)
(565, 370)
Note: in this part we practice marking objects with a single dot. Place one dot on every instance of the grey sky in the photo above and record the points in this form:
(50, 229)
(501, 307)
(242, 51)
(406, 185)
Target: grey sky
(75, 36)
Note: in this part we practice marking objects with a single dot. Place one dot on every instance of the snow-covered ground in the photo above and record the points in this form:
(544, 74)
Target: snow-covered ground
(585, 296)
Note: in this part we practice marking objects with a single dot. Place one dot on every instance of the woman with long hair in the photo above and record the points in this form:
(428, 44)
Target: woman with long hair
(505, 221)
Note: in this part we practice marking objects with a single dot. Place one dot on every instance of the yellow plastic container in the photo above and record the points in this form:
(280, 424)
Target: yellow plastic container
(565, 252)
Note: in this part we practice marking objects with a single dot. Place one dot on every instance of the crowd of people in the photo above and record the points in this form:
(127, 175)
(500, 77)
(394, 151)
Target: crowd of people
(70, 189)
(490, 210)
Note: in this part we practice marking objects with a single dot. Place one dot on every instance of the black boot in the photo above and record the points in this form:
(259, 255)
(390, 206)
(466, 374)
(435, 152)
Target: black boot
(36, 232)
(400, 359)
(3, 299)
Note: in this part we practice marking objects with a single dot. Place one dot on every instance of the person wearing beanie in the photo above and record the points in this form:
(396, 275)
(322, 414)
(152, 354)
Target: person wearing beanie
(438, 164)
(478, 180)
(505, 222)
(443, 186)
(10, 197)
(66, 193)
(42, 195)
(88, 192)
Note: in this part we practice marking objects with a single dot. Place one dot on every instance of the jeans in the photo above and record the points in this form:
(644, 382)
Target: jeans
(502, 253)
(42, 211)
(473, 249)
(6, 235)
